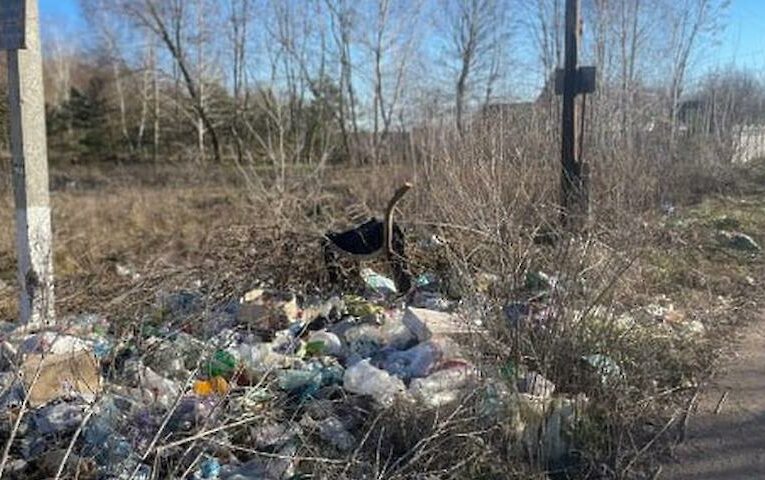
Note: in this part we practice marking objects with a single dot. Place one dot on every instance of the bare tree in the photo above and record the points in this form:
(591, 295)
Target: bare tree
(149, 69)
(342, 17)
(167, 20)
(109, 30)
(472, 27)
(239, 16)
(304, 59)
(726, 103)
(689, 20)
(199, 45)
(144, 104)
(392, 42)
(621, 37)
(544, 26)
(61, 57)
(630, 40)
(155, 99)
(547, 28)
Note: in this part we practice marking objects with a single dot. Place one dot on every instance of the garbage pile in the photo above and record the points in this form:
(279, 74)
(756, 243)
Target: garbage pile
(80, 402)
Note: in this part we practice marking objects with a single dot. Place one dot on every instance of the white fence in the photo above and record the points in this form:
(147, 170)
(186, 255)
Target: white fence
(751, 144)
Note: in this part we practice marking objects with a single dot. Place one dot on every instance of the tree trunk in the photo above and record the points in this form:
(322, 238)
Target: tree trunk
(157, 24)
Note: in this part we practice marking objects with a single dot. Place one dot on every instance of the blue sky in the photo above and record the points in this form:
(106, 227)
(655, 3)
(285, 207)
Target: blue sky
(67, 11)
(744, 38)
(742, 44)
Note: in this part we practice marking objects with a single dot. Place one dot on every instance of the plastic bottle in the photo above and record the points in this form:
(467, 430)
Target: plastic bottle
(365, 379)
(418, 361)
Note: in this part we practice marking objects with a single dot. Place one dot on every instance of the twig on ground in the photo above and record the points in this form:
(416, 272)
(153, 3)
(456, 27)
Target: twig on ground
(76, 435)
(205, 433)
(22, 411)
(648, 445)
(252, 451)
(720, 402)
(687, 415)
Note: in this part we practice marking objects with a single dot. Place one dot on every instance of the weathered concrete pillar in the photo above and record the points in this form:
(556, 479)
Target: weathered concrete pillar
(30, 169)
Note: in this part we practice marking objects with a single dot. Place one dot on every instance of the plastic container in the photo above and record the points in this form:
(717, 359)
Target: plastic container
(209, 469)
(418, 361)
(212, 386)
(365, 379)
(442, 387)
(332, 345)
(379, 284)
(222, 364)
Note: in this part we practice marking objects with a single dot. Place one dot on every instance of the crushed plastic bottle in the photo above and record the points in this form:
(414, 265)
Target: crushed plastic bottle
(442, 387)
(418, 361)
(331, 343)
(190, 412)
(379, 284)
(535, 384)
(364, 340)
(260, 357)
(214, 385)
(102, 438)
(425, 323)
(606, 367)
(432, 301)
(426, 280)
(152, 386)
(209, 469)
(332, 430)
(365, 379)
(58, 418)
(222, 364)
(309, 379)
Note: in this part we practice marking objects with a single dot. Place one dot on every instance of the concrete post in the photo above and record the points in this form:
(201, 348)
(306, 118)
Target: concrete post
(30, 174)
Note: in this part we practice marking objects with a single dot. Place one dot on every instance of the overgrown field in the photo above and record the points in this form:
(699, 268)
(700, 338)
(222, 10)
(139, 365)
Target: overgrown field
(654, 292)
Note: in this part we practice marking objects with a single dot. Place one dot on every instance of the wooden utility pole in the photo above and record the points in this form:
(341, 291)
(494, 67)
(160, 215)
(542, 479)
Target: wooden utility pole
(20, 36)
(574, 181)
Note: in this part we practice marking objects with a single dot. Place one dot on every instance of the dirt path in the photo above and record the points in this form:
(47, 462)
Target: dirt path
(731, 444)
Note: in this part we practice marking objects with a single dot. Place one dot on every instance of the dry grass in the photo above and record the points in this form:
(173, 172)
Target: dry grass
(489, 199)
(141, 227)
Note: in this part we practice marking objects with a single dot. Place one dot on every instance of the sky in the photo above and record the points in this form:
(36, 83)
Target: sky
(742, 44)
(66, 11)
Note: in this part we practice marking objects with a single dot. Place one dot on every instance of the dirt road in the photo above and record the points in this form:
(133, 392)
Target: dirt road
(730, 444)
